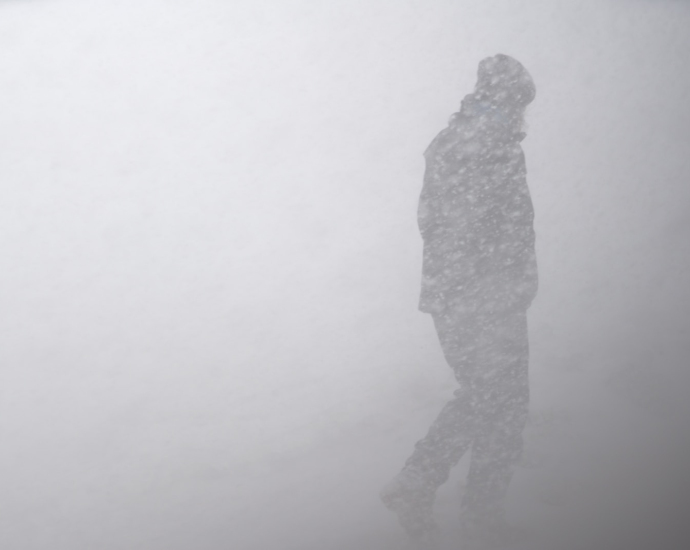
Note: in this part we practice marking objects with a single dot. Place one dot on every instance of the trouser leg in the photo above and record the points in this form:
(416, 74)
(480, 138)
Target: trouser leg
(447, 440)
(450, 435)
(494, 456)
(501, 402)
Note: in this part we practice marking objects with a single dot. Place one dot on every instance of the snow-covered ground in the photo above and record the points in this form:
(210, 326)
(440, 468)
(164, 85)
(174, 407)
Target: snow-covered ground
(209, 262)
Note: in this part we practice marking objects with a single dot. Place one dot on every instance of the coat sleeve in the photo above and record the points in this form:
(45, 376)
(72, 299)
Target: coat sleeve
(511, 277)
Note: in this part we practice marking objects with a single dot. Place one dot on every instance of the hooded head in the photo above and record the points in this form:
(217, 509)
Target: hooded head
(503, 80)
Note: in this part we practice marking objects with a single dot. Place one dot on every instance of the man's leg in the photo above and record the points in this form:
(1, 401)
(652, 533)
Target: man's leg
(496, 450)
(447, 440)
(500, 406)
(411, 494)
(450, 435)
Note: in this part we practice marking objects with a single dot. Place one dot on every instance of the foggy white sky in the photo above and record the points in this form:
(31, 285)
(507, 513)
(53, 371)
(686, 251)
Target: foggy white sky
(209, 261)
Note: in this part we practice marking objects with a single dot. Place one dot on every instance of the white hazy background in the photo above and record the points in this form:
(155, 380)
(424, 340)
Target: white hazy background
(209, 259)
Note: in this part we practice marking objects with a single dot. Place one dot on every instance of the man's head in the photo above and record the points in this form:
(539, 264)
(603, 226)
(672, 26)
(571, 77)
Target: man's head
(502, 79)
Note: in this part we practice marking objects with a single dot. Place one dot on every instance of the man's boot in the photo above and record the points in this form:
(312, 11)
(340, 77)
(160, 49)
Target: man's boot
(412, 500)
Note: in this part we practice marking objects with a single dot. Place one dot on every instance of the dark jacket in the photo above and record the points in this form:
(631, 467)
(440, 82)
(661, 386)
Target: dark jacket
(476, 217)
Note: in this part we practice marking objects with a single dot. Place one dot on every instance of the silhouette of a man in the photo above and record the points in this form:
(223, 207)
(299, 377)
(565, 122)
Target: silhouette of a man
(479, 277)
